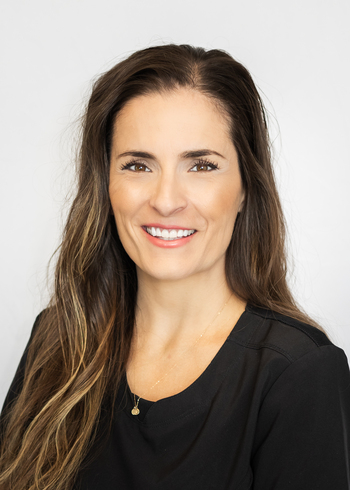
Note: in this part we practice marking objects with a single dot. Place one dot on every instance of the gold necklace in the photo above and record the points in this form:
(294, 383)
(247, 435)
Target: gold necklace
(135, 410)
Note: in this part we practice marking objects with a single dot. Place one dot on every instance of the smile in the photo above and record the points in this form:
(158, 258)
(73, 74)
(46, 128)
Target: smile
(165, 234)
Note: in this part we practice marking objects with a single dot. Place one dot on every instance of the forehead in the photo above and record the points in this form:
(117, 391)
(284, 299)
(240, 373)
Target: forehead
(182, 117)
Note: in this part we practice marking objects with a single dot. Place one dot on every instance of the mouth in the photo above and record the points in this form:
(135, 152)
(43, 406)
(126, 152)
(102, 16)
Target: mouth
(168, 234)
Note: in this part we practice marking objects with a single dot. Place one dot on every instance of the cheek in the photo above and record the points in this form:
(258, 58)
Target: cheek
(120, 207)
(223, 203)
(123, 200)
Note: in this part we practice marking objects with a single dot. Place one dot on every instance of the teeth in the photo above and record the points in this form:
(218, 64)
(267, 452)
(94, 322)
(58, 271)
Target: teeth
(168, 234)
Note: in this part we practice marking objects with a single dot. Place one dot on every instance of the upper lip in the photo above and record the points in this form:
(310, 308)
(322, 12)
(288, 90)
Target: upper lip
(167, 227)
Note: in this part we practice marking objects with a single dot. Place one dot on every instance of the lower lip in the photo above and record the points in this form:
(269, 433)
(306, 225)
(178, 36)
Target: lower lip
(178, 242)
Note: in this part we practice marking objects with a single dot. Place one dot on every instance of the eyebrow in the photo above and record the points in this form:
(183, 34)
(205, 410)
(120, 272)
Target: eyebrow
(185, 154)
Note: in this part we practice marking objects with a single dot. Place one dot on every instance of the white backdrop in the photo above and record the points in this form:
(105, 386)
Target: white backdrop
(298, 54)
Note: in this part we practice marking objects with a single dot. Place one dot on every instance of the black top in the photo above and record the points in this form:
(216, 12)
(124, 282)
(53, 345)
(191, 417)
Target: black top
(270, 412)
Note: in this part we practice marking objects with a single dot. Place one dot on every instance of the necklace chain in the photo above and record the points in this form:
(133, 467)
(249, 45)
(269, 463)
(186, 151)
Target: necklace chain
(135, 410)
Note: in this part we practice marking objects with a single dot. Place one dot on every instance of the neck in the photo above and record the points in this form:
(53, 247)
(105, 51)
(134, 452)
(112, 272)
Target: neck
(170, 310)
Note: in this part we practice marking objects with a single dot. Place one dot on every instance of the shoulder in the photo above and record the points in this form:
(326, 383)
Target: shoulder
(275, 343)
(17, 382)
(287, 335)
(286, 360)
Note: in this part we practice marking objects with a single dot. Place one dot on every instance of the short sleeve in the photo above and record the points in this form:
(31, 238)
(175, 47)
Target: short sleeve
(303, 434)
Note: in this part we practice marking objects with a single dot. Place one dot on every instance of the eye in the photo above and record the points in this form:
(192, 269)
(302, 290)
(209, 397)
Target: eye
(135, 167)
(200, 166)
(204, 166)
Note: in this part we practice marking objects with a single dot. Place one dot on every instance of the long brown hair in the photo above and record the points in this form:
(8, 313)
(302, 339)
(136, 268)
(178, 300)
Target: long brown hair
(81, 344)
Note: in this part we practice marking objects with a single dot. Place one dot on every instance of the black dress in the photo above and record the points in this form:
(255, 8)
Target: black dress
(270, 412)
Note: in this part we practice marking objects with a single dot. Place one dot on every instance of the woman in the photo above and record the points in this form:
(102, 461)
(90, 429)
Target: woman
(172, 354)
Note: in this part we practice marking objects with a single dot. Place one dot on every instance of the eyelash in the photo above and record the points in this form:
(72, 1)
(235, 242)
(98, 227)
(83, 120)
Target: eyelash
(210, 164)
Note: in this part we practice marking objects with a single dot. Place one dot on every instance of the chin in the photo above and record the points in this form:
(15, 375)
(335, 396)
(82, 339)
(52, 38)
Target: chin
(164, 273)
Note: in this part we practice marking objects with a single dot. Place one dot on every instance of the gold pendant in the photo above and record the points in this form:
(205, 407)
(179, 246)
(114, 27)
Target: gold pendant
(135, 410)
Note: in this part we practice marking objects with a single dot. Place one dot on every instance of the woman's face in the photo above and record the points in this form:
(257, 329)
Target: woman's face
(175, 185)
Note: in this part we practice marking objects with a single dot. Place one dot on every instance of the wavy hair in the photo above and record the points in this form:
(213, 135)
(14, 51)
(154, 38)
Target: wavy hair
(81, 342)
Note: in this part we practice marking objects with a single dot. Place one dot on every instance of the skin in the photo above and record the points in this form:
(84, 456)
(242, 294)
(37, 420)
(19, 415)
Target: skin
(180, 289)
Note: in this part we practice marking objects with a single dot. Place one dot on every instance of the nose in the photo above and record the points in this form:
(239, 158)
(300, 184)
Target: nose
(168, 194)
